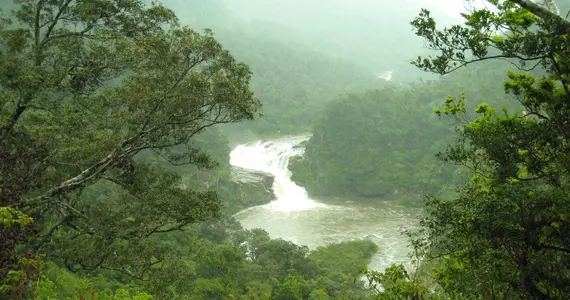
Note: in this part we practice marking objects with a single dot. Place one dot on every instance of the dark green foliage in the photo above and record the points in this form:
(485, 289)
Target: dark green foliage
(129, 204)
(234, 196)
(22, 162)
(85, 88)
(219, 259)
(363, 146)
(107, 150)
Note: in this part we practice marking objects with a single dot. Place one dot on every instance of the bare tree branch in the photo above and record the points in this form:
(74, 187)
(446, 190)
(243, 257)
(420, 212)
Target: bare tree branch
(56, 19)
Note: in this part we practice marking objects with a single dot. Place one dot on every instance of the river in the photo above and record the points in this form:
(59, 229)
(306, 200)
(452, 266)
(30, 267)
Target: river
(293, 216)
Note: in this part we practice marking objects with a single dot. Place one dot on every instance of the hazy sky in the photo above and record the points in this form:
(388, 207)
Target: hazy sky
(454, 7)
(374, 34)
(450, 7)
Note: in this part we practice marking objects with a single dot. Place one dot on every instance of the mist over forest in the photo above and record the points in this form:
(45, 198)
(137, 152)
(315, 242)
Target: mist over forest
(354, 32)
(284, 149)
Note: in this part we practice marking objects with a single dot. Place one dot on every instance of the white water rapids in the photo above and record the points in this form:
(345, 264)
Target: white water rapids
(293, 216)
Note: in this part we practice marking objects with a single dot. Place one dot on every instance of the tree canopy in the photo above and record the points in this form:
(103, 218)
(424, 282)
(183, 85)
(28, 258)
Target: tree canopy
(86, 87)
(504, 235)
(109, 111)
(107, 185)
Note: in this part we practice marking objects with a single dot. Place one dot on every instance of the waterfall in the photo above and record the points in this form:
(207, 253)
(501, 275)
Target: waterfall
(272, 157)
(294, 217)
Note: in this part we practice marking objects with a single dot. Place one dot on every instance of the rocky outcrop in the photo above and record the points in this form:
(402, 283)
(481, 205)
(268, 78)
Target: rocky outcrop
(246, 189)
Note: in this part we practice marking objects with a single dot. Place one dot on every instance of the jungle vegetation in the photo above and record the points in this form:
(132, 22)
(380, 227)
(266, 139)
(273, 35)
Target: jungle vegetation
(115, 124)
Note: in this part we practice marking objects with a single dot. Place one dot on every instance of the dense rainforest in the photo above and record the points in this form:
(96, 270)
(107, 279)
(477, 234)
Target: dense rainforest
(117, 119)
(382, 143)
(114, 179)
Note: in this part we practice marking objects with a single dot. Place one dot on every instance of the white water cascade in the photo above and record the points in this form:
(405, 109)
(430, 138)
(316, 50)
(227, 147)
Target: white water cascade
(272, 157)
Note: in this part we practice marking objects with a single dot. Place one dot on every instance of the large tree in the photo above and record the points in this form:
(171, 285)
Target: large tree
(85, 87)
(505, 236)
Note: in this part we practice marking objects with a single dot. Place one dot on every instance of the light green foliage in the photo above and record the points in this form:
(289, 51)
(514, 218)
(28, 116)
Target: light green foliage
(249, 265)
(57, 283)
(294, 83)
(294, 287)
(219, 260)
(395, 281)
(501, 237)
(319, 295)
(10, 217)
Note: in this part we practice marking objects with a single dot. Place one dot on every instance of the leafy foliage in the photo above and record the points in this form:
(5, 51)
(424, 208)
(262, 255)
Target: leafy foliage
(107, 112)
(361, 146)
(501, 236)
(106, 116)
(345, 257)
(87, 87)
(21, 167)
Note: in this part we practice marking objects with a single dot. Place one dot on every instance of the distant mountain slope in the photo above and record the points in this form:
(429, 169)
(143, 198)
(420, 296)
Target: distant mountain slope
(375, 34)
(293, 81)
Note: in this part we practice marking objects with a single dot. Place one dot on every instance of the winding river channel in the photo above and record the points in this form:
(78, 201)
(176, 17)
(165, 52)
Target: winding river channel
(293, 216)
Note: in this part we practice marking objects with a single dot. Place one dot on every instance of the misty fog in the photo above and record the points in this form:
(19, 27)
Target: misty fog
(373, 34)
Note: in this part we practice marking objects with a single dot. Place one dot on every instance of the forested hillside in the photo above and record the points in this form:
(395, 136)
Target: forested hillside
(363, 32)
(116, 116)
(383, 143)
(293, 81)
